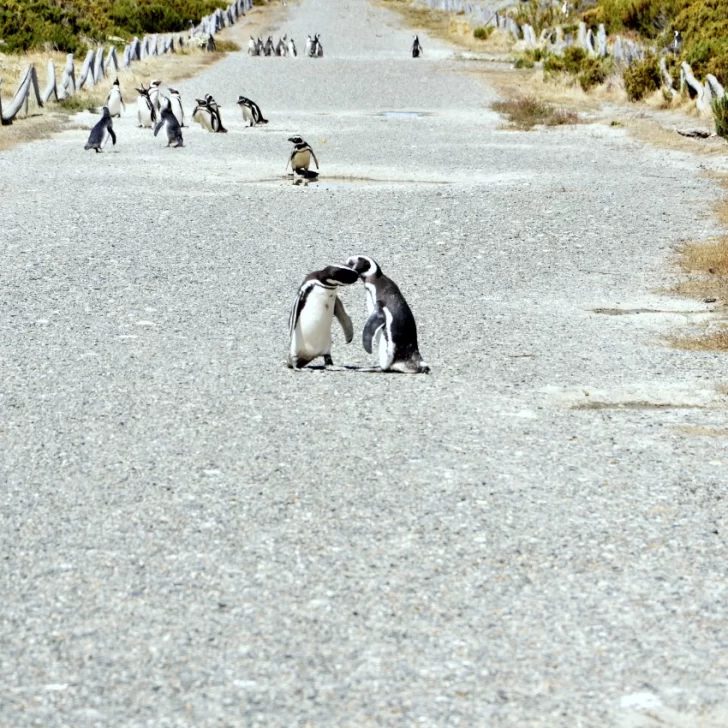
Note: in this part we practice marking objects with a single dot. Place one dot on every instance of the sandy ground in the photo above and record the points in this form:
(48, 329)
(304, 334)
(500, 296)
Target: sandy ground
(534, 535)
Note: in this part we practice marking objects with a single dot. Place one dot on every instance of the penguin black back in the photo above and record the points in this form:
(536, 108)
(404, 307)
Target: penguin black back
(98, 133)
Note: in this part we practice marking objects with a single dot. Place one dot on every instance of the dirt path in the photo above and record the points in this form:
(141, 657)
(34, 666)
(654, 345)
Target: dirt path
(191, 534)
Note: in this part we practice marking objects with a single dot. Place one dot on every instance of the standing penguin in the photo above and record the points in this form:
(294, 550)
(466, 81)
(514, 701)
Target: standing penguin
(154, 94)
(269, 49)
(202, 114)
(252, 114)
(416, 48)
(216, 118)
(309, 46)
(282, 47)
(114, 100)
(175, 100)
(676, 44)
(292, 48)
(252, 47)
(300, 158)
(316, 304)
(391, 325)
(317, 51)
(174, 131)
(146, 113)
(98, 136)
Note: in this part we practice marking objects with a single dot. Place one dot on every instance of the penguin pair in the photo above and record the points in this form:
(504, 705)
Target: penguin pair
(102, 130)
(300, 158)
(390, 327)
(416, 48)
(314, 49)
(207, 115)
(252, 114)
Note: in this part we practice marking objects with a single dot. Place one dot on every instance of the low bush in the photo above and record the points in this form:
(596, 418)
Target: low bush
(720, 116)
(483, 32)
(588, 70)
(527, 112)
(642, 78)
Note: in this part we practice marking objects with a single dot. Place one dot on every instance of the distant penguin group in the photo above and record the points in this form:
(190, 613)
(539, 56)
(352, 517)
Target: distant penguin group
(390, 328)
(284, 47)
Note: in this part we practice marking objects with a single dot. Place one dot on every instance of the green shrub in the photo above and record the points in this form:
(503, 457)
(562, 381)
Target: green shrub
(523, 63)
(483, 32)
(642, 78)
(67, 24)
(720, 116)
(587, 70)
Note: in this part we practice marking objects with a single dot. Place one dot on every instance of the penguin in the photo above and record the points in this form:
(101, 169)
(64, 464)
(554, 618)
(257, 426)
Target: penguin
(174, 131)
(300, 158)
(282, 47)
(261, 47)
(115, 101)
(146, 113)
(216, 118)
(175, 100)
(268, 49)
(251, 111)
(154, 94)
(391, 325)
(676, 44)
(317, 302)
(252, 47)
(98, 137)
(309, 46)
(292, 48)
(416, 48)
(317, 50)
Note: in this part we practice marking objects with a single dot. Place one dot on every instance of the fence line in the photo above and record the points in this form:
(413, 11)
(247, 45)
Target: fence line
(96, 64)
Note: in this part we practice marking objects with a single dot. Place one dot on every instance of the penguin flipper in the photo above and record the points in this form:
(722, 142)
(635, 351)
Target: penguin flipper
(158, 126)
(375, 322)
(344, 320)
(112, 135)
(314, 158)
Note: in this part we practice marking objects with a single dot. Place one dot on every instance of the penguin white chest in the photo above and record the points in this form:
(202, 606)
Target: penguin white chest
(301, 159)
(144, 113)
(204, 118)
(177, 110)
(114, 102)
(312, 336)
(248, 115)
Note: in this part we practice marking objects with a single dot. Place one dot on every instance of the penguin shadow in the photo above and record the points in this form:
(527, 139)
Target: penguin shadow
(339, 368)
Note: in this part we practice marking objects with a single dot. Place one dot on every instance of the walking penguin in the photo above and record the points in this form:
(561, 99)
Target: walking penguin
(416, 48)
(101, 131)
(174, 131)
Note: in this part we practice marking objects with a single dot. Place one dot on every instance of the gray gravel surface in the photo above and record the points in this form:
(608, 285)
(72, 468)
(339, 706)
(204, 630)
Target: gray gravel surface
(193, 535)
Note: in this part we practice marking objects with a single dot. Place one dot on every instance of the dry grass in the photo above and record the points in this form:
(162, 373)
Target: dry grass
(187, 62)
(705, 264)
(701, 431)
(525, 113)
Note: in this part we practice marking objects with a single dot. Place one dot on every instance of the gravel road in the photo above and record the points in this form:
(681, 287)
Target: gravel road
(193, 535)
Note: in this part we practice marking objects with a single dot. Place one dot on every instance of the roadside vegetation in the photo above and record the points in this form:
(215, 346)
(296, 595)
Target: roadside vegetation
(69, 26)
(705, 267)
(528, 112)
